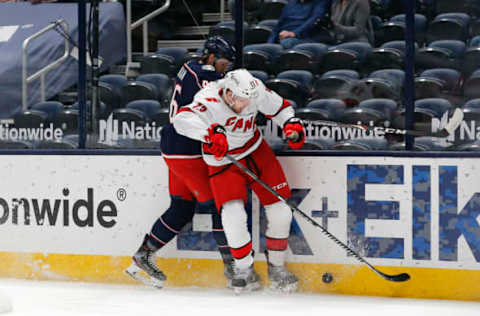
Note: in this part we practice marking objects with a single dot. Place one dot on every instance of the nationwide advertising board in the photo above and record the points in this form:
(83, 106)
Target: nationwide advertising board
(82, 217)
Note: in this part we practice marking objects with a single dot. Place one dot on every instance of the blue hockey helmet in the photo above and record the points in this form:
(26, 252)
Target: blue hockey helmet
(218, 46)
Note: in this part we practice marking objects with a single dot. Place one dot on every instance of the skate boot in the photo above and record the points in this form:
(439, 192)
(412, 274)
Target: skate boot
(144, 260)
(228, 272)
(281, 279)
(245, 280)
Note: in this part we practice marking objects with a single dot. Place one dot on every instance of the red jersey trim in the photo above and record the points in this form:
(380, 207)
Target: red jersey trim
(285, 105)
(185, 109)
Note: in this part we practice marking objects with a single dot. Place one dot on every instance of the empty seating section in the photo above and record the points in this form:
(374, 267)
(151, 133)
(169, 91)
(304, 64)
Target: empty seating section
(351, 82)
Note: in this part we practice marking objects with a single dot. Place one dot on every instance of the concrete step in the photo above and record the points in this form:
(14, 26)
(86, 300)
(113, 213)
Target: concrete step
(192, 30)
(188, 44)
(215, 17)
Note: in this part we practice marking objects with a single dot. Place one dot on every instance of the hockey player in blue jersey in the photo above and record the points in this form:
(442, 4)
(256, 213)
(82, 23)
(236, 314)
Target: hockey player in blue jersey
(188, 174)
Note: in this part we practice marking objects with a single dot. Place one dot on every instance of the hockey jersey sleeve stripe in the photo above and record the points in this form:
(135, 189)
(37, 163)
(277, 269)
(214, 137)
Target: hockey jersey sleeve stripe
(185, 109)
(194, 75)
(238, 150)
(285, 104)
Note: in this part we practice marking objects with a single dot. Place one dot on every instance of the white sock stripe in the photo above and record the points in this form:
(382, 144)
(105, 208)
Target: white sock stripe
(170, 228)
(157, 239)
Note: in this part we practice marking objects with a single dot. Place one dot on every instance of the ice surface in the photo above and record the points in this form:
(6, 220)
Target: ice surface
(42, 298)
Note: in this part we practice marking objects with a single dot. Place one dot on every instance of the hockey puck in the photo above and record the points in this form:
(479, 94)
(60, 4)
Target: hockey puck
(327, 277)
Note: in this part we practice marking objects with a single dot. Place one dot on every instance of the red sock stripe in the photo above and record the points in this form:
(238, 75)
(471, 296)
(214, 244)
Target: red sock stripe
(277, 244)
(242, 252)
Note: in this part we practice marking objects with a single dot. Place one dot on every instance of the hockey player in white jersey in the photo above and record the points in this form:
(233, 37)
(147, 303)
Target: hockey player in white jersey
(222, 115)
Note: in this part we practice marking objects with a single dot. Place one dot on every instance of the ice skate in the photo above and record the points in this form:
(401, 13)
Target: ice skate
(143, 260)
(281, 279)
(228, 272)
(245, 280)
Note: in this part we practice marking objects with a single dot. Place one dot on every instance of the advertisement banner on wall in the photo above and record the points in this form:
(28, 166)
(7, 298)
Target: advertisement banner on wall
(394, 211)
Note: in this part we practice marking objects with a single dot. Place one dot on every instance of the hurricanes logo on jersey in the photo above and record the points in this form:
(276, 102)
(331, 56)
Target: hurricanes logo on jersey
(239, 123)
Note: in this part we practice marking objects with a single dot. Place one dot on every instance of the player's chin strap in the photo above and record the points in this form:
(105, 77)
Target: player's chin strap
(396, 278)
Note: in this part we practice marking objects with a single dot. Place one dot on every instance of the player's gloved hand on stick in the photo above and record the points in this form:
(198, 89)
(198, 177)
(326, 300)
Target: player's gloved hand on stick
(218, 141)
(294, 132)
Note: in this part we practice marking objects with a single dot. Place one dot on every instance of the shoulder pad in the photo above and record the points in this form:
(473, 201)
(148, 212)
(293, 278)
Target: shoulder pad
(208, 67)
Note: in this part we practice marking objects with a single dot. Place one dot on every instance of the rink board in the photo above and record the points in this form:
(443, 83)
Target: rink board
(81, 218)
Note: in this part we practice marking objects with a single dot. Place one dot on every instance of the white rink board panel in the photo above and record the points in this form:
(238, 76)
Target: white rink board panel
(104, 204)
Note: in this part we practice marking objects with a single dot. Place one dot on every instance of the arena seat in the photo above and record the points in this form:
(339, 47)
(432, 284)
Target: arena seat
(420, 26)
(346, 56)
(262, 57)
(332, 83)
(137, 90)
(376, 111)
(386, 83)
(334, 107)
(441, 54)
(259, 74)
(384, 57)
(305, 78)
(102, 110)
(30, 119)
(471, 86)
(425, 110)
(453, 26)
(67, 120)
(110, 96)
(163, 85)
(270, 23)
(437, 82)
(161, 117)
(130, 115)
(148, 107)
(390, 31)
(471, 110)
(257, 34)
(288, 89)
(158, 63)
(305, 56)
(49, 107)
(471, 60)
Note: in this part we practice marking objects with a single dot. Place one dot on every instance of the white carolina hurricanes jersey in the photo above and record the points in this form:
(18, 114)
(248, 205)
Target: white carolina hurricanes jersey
(243, 136)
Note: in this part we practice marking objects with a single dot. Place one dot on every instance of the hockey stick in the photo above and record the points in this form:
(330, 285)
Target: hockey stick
(395, 278)
(448, 130)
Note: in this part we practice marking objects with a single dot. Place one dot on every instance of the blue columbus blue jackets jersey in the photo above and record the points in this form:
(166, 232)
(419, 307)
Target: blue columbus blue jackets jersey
(192, 77)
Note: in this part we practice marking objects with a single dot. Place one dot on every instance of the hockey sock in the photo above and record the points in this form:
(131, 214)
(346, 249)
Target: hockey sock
(279, 218)
(276, 250)
(171, 222)
(234, 220)
(219, 234)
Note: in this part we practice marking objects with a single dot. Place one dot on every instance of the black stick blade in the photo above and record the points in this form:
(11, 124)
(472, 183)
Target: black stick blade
(402, 277)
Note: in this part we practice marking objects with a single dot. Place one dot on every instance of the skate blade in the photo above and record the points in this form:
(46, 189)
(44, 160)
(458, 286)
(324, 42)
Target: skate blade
(249, 288)
(284, 288)
(136, 273)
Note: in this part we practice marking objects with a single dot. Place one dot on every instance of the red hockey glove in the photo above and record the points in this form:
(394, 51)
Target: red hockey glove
(218, 141)
(294, 132)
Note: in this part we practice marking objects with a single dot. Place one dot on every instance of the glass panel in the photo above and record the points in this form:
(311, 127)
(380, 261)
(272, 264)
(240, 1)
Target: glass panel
(445, 72)
(38, 75)
(357, 75)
